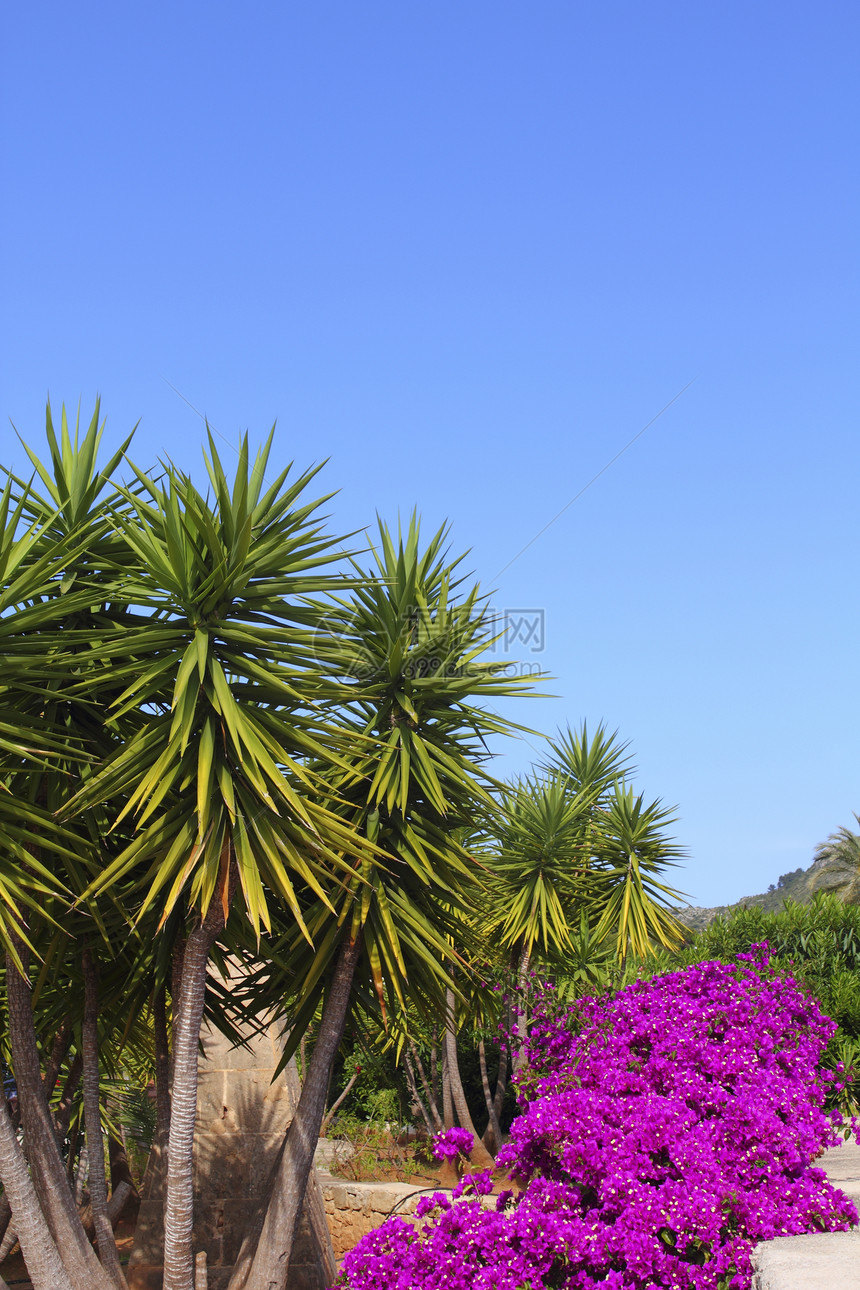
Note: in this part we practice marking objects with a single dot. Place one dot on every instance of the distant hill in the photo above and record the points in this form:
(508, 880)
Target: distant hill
(801, 885)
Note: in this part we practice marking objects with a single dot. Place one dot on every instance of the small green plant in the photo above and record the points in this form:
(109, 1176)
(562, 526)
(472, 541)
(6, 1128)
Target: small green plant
(370, 1150)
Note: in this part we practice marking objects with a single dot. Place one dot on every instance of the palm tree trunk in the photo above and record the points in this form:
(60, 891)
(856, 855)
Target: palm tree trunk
(63, 1114)
(120, 1176)
(480, 1156)
(49, 1177)
(59, 1048)
(5, 1216)
(447, 1100)
(493, 1120)
(162, 1069)
(418, 1103)
(43, 1261)
(330, 1114)
(95, 1137)
(179, 1201)
(82, 1174)
(434, 1071)
(501, 1081)
(177, 960)
(428, 1087)
(271, 1262)
(501, 1084)
(163, 1073)
(522, 1023)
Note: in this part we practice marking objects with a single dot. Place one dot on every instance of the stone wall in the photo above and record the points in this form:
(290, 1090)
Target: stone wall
(825, 1260)
(353, 1209)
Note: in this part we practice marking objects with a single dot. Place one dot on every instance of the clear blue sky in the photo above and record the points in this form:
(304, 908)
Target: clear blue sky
(467, 250)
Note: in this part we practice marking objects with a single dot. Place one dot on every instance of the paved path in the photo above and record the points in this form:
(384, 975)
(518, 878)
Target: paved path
(827, 1260)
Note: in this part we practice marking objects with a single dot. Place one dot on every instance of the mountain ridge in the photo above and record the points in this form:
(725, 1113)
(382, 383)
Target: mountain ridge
(827, 874)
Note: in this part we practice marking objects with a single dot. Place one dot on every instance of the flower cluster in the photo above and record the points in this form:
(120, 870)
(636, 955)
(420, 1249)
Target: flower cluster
(452, 1143)
(664, 1131)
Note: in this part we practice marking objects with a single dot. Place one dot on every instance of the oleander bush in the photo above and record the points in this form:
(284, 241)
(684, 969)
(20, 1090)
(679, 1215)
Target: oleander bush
(664, 1131)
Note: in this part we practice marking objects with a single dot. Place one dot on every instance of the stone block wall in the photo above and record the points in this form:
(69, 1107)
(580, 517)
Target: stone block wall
(353, 1209)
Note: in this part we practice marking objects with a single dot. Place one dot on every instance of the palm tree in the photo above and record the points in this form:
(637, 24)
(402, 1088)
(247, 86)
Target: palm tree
(416, 727)
(72, 538)
(572, 842)
(841, 850)
(633, 852)
(221, 678)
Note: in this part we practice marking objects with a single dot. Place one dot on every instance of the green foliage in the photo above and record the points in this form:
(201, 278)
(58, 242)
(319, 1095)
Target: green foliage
(575, 840)
(817, 943)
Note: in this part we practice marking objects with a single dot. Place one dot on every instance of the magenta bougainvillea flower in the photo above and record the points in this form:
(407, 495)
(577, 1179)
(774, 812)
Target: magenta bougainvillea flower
(664, 1131)
(452, 1143)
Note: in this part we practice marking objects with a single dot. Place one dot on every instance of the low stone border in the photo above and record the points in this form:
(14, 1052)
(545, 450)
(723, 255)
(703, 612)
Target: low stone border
(826, 1260)
(353, 1209)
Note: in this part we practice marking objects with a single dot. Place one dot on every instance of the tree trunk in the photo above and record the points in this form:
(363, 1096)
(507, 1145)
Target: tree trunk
(480, 1156)
(417, 1099)
(43, 1261)
(329, 1115)
(447, 1100)
(501, 1085)
(49, 1176)
(493, 1120)
(522, 1025)
(428, 1087)
(115, 1206)
(177, 960)
(61, 1045)
(93, 1119)
(271, 1261)
(434, 1072)
(120, 1170)
(5, 1213)
(162, 1068)
(179, 1202)
(163, 1077)
(63, 1113)
(82, 1174)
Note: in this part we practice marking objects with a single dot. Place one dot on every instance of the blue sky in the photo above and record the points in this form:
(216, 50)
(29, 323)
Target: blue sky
(467, 251)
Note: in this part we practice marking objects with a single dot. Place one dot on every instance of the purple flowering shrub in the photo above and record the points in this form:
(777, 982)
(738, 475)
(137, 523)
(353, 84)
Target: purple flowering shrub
(451, 1143)
(664, 1131)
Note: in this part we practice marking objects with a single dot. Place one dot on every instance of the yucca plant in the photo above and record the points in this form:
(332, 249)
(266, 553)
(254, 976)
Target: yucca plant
(66, 528)
(214, 781)
(576, 859)
(413, 635)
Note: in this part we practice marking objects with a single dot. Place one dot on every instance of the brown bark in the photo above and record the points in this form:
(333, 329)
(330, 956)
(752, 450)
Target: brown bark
(48, 1172)
(501, 1080)
(447, 1100)
(93, 1119)
(162, 1069)
(120, 1170)
(63, 1113)
(434, 1071)
(522, 1024)
(61, 1045)
(428, 1087)
(329, 1115)
(179, 1202)
(271, 1261)
(479, 1156)
(117, 1203)
(417, 1100)
(41, 1256)
(494, 1129)
(176, 963)
(501, 1085)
